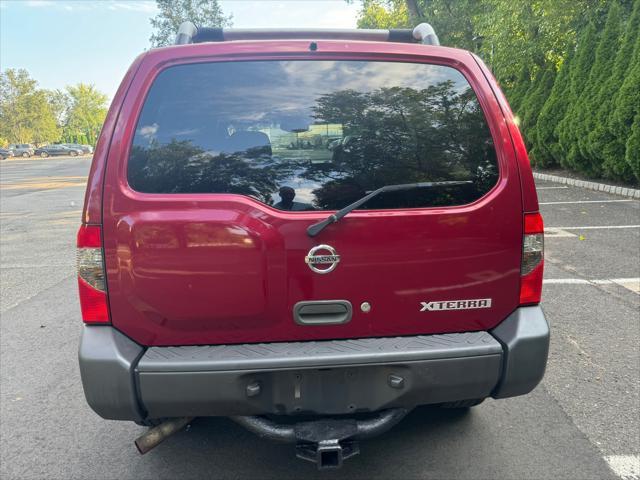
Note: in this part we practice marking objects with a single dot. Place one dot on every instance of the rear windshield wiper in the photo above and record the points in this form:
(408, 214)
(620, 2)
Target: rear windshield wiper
(316, 228)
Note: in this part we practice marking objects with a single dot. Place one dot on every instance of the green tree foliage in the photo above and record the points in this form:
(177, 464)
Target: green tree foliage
(602, 142)
(583, 119)
(25, 114)
(452, 19)
(86, 111)
(626, 108)
(532, 106)
(584, 116)
(578, 76)
(44, 127)
(632, 155)
(545, 145)
(59, 102)
(32, 115)
(384, 14)
(508, 34)
(532, 33)
(522, 85)
(172, 13)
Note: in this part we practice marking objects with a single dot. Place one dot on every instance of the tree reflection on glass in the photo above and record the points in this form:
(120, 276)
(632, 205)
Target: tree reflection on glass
(297, 133)
(181, 167)
(403, 135)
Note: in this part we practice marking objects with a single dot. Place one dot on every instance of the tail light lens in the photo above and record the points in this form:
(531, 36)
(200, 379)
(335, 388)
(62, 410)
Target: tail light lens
(91, 277)
(532, 266)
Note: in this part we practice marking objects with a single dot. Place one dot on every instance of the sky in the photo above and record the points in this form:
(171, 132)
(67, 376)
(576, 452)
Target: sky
(64, 42)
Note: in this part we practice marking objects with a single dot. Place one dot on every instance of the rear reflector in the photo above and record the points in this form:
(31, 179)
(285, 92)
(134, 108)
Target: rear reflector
(532, 267)
(91, 278)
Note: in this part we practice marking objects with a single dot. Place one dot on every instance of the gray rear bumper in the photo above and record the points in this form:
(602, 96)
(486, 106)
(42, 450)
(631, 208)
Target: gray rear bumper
(125, 381)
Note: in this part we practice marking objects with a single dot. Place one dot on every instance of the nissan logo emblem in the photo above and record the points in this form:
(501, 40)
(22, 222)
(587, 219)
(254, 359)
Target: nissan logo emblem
(322, 259)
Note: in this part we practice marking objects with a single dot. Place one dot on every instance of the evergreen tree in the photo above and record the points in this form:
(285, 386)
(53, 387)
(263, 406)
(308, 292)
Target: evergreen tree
(578, 75)
(603, 140)
(585, 114)
(532, 106)
(546, 146)
(522, 84)
(632, 155)
(627, 106)
(533, 33)
(582, 120)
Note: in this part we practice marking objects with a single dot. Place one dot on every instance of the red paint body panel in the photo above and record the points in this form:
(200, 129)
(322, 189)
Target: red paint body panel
(221, 268)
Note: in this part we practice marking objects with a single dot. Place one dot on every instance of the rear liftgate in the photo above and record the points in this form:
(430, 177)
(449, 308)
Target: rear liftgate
(326, 441)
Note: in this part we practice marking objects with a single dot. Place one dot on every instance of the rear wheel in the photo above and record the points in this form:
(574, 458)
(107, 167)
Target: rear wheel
(73, 153)
(463, 403)
(44, 154)
(25, 154)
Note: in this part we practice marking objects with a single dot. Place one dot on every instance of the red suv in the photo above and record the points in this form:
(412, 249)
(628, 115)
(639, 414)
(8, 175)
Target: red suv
(311, 232)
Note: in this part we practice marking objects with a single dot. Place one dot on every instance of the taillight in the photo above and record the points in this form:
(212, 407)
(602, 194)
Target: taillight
(532, 266)
(91, 277)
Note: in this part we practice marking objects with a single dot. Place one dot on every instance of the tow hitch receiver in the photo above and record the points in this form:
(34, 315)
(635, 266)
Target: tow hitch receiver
(326, 441)
(328, 454)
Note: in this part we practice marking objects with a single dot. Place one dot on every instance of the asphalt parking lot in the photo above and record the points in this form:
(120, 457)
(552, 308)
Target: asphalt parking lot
(582, 422)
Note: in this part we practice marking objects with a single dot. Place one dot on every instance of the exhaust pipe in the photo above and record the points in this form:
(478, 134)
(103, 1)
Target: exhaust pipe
(156, 435)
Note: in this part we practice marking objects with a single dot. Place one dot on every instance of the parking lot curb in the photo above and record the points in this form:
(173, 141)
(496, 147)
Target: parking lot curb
(599, 187)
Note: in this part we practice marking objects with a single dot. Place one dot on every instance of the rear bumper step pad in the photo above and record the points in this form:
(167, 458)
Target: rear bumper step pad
(323, 377)
(317, 354)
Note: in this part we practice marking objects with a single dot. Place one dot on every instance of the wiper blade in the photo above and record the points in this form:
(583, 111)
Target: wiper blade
(316, 228)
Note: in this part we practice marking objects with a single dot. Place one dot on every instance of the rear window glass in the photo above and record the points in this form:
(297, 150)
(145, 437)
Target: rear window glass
(314, 135)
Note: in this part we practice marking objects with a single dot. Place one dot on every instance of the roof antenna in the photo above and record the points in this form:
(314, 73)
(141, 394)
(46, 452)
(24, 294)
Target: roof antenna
(425, 34)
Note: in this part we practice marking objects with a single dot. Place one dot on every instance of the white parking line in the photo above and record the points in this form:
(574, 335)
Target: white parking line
(617, 280)
(595, 227)
(566, 281)
(632, 284)
(550, 188)
(603, 281)
(586, 201)
(554, 232)
(563, 232)
(626, 467)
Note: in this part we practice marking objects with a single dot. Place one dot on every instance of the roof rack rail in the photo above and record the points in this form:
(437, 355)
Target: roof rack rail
(189, 33)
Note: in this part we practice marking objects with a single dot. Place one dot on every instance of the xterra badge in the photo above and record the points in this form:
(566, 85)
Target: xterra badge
(455, 305)
(322, 259)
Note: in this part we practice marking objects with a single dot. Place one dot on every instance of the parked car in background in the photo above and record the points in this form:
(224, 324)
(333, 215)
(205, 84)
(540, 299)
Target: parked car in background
(22, 149)
(5, 153)
(57, 150)
(86, 149)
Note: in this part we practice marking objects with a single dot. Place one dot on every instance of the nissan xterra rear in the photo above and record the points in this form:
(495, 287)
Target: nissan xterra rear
(312, 232)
